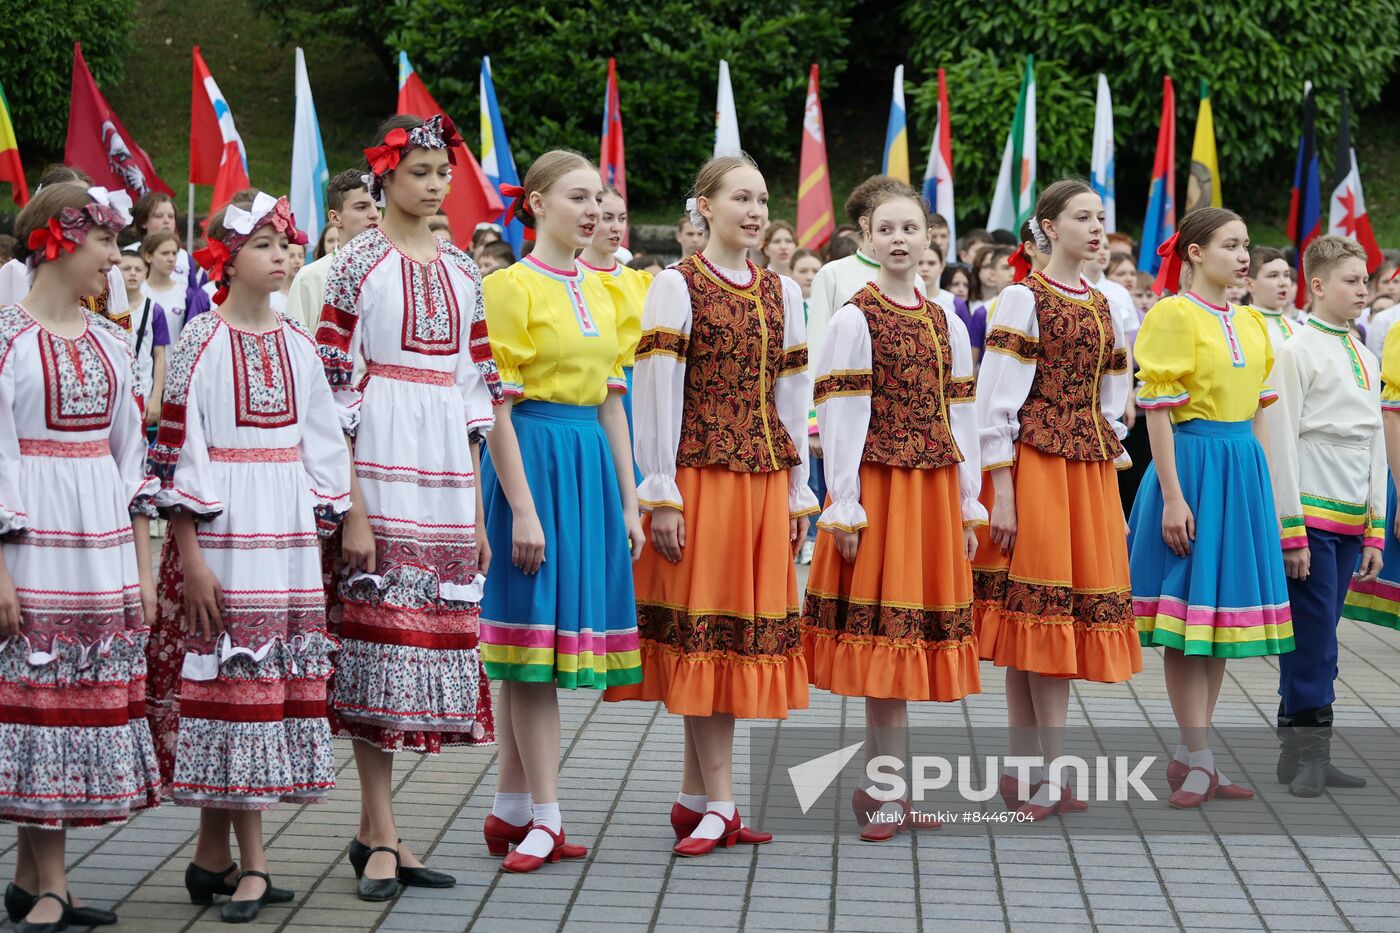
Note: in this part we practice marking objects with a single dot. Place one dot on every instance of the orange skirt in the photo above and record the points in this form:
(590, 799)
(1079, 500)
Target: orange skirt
(1060, 605)
(720, 631)
(896, 623)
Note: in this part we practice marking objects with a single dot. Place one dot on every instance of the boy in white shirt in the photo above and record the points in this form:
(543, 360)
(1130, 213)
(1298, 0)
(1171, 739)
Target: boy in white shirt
(1328, 470)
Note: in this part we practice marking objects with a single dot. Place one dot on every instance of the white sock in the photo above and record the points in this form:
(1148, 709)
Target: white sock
(1047, 794)
(1034, 774)
(513, 808)
(1181, 754)
(538, 842)
(890, 813)
(1198, 782)
(693, 802)
(712, 826)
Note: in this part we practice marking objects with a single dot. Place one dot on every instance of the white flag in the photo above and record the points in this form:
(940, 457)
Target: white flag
(1013, 200)
(1102, 169)
(309, 171)
(726, 117)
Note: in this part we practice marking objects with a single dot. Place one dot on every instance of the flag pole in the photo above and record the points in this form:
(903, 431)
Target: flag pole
(189, 222)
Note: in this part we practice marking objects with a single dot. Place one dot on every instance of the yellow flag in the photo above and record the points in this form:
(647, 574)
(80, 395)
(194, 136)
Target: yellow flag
(1203, 185)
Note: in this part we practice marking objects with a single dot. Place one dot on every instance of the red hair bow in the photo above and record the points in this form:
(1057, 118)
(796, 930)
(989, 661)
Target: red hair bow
(214, 258)
(385, 158)
(450, 138)
(51, 240)
(1020, 262)
(516, 193)
(1169, 274)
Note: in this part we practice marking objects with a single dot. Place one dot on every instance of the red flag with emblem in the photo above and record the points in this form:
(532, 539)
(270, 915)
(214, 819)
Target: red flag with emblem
(815, 216)
(1347, 214)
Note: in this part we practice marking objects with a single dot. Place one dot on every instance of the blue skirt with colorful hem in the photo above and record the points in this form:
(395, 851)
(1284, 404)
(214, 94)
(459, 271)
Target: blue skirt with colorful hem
(1378, 601)
(1229, 597)
(574, 622)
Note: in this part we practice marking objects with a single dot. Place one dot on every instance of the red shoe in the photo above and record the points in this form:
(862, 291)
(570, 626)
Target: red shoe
(864, 805)
(500, 835)
(521, 863)
(752, 837)
(880, 830)
(919, 820)
(1190, 800)
(1176, 774)
(1071, 804)
(1011, 794)
(684, 820)
(1233, 792)
(692, 847)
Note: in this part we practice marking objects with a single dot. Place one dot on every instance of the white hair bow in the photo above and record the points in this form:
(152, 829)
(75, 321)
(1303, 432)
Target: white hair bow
(240, 221)
(118, 201)
(697, 219)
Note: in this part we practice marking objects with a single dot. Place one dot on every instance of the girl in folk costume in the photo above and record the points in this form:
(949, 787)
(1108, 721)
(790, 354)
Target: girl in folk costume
(601, 256)
(722, 396)
(250, 464)
(409, 306)
(560, 501)
(1052, 572)
(1207, 565)
(889, 602)
(75, 560)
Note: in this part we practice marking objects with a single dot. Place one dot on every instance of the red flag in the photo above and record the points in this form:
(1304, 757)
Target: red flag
(11, 169)
(471, 199)
(815, 217)
(611, 159)
(99, 144)
(1348, 215)
(216, 150)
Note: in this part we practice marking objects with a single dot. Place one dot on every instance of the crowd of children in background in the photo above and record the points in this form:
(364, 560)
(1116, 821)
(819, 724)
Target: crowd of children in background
(648, 444)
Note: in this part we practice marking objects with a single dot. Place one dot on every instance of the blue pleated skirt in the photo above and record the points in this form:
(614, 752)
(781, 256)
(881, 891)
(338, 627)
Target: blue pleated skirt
(575, 621)
(1229, 597)
(1378, 601)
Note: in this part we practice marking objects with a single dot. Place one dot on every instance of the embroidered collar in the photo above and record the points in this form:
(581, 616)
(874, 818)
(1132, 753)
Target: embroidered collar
(866, 260)
(1267, 313)
(615, 269)
(1328, 328)
(1228, 309)
(563, 275)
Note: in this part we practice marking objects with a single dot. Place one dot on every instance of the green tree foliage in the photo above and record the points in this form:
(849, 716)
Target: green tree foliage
(1256, 54)
(36, 60)
(549, 65)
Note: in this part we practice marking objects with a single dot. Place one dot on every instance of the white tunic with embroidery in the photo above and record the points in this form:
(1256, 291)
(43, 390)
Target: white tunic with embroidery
(74, 745)
(250, 445)
(409, 674)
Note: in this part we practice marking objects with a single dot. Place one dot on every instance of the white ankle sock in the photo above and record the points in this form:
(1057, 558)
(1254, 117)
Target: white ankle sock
(712, 826)
(513, 808)
(1047, 794)
(1181, 754)
(693, 802)
(1198, 782)
(539, 842)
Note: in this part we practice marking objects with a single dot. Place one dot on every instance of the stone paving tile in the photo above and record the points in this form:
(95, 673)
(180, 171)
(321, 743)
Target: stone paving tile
(618, 779)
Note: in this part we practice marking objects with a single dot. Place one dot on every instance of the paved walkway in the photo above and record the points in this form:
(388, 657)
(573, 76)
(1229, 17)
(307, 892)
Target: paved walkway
(619, 778)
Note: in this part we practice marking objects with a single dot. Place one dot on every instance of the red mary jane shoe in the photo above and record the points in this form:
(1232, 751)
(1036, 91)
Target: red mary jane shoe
(520, 863)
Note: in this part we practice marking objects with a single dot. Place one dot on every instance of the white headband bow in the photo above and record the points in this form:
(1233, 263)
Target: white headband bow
(119, 201)
(240, 221)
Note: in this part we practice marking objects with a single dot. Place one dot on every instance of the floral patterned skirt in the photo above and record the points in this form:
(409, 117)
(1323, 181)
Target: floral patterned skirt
(241, 724)
(896, 623)
(720, 631)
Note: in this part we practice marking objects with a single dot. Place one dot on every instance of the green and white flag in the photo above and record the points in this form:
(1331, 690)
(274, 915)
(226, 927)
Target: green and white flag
(1013, 202)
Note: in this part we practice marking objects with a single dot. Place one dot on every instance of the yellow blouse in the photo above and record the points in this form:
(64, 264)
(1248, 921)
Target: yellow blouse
(632, 285)
(554, 333)
(1202, 361)
(1390, 371)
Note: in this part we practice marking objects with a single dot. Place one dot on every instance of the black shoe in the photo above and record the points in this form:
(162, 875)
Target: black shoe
(379, 889)
(203, 884)
(53, 926)
(1287, 748)
(1312, 742)
(1335, 776)
(19, 902)
(246, 911)
(408, 877)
